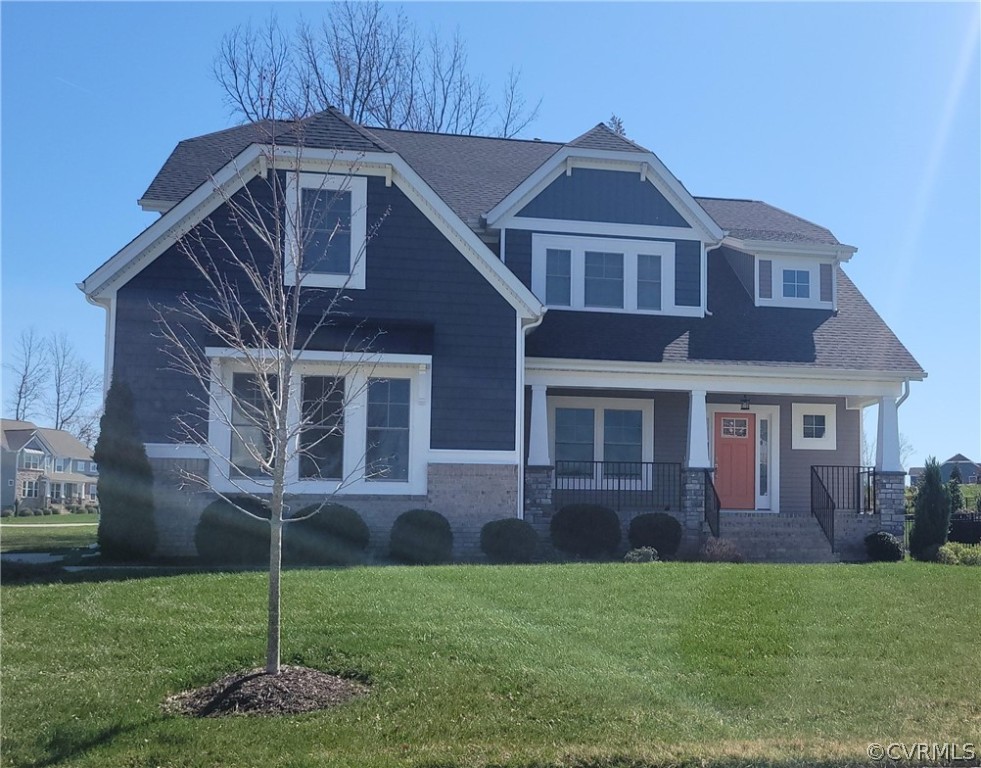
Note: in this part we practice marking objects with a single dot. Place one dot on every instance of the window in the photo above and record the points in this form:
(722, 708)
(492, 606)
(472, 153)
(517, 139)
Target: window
(31, 459)
(558, 277)
(28, 489)
(322, 443)
(249, 449)
(326, 230)
(796, 284)
(601, 274)
(735, 427)
(604, 279)
(623, 440)
(814, 426)
(93, 491)
(71, 491)
(60, 465)
(648, 281)
(574, 438)
(387, 457)
(54, 491)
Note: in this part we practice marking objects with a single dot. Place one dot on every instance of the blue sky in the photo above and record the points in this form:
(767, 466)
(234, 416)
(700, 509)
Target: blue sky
(864, 118)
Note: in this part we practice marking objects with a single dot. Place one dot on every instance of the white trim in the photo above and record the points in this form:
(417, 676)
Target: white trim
(604, 229)
(772, 414)
(177, 451)
(328, 356)
(598, 405)
(458, 456)
(809, 265)
(767, 248)
(830, 440)
(154, 206)
(567, 158)
(722, 379)
(357, 186)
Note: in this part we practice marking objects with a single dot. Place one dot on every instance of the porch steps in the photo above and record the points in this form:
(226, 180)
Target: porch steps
(764, 537)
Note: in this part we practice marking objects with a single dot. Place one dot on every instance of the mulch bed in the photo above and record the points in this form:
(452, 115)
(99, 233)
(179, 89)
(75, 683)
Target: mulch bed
(254, 692)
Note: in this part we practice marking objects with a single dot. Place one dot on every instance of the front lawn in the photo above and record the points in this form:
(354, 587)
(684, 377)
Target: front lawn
(51, 532)
(527, 666)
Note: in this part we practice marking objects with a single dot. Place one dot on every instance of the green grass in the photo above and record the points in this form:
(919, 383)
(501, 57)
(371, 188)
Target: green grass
(970, 493)
(603, 665)
(39, 534)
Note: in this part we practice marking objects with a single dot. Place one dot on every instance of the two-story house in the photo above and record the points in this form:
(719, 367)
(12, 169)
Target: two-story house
(43, 467)
(560, 322)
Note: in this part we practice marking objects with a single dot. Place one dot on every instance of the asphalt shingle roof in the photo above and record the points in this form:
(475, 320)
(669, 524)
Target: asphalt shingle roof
(737, 332)
(756, 220)
(603, 137)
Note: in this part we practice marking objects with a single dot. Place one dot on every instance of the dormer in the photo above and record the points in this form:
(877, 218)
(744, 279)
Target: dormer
(603, 226)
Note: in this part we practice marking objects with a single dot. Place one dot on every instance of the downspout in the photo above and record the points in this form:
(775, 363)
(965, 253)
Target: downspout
(521, 414)
(905, 394)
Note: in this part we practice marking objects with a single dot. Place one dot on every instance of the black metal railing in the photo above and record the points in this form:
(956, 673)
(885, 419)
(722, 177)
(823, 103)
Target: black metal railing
(712, 504)
(851, 488)
(823, 506)
(650, 485)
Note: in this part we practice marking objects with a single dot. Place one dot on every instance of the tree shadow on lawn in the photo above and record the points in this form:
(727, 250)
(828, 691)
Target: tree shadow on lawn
(13, 573)
(67, 743)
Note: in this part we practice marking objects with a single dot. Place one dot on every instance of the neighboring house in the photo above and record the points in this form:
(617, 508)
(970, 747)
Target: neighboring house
(563, 321)
(42, 467)
(970, 471)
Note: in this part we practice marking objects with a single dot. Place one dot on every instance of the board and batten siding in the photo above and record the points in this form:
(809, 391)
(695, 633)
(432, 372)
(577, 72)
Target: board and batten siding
(413, 274)
(590, 194)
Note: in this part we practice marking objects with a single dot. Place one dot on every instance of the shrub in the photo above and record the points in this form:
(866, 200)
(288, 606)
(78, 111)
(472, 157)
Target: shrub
(586, 530)
(46, 511)
(932, 513)
(956, 553)
(641, 555)
(509, 541)
(947, 555)
(126, 526)
(970, 555)
(658, 530)
(7, 512)
(956, 497)
(421, 537)
(883, 547)
(720, 551)
(25, 512)
(227, 536)
(336, 535)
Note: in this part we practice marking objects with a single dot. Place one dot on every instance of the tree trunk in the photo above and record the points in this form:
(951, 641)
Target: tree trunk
(275, 566)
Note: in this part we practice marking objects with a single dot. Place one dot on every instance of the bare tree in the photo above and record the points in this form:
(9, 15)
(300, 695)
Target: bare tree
(869, 450)
(75, 388)
(256, 303)
(372, 65)
(30, 372)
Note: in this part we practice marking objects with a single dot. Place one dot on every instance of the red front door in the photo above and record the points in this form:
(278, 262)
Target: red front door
(735, 460)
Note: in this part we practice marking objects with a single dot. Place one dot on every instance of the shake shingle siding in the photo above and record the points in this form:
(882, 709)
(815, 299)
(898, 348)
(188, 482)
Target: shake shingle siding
(414, 276)
(609, 196)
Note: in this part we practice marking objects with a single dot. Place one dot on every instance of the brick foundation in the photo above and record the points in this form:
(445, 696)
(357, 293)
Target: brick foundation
(890, 501)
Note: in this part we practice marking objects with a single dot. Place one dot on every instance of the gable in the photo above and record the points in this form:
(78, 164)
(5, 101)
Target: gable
(591, 194)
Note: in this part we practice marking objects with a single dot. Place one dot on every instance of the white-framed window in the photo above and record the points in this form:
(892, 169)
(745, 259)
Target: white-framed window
(815, 426)
(598, 274)
(93, 491)
(795, 281)
(29, 489)
(601, 437)
(365, 428)
(30, 459)
(796, 284)
(326, 230)
(60, 464)
(54, 491)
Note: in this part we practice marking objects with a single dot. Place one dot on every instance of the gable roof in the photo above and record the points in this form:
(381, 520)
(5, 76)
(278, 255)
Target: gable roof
(736, 333)
(958, 458)
(16, 434)
(472, 174)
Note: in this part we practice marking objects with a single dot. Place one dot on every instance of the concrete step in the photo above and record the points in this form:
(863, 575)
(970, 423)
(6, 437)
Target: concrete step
(766, 537)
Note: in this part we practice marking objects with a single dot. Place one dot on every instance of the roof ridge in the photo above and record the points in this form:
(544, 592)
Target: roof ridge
(464, 135)
(730, 199)
(611, 133)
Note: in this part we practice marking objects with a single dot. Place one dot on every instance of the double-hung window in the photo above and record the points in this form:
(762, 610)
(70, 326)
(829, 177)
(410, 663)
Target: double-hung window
(322, 437)
(30, 459)
(558, 277)
(387, 456)
(623, 440)
(250, 449)
(604, 279)
(28, 489)
(574, 438)
(648, 281)
(601, 438)
(326, 227)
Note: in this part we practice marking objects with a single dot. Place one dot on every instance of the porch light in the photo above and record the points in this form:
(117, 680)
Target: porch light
(744, 403)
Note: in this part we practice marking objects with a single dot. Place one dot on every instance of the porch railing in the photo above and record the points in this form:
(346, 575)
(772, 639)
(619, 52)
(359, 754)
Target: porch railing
(712, 504)
(649, 485)
(851, 488)
(823, 506)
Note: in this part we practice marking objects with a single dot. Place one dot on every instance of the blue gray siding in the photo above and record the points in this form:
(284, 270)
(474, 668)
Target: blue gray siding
(611, 196)
(414, 275)
(744, 267)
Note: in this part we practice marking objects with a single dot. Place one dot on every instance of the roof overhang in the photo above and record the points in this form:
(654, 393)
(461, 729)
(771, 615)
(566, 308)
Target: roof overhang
(840, 251)
(155, 206)
(646, 164)
(255, 160)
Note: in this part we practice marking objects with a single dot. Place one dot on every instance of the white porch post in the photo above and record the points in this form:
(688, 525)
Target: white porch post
(538, 455)
(887, 443)
(698, 453)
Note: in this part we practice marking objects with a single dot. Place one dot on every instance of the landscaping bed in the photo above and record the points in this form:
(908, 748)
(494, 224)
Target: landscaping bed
(586, 664)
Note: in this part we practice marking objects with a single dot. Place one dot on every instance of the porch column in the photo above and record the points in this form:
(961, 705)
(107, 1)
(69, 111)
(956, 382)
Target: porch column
(887, 444)
(698, 451)
(538, 439)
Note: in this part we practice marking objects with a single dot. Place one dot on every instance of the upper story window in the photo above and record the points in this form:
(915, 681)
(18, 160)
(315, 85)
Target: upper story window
(796, 284)
(31, 459)
(607, 275)
(795, 281)
(326, 230)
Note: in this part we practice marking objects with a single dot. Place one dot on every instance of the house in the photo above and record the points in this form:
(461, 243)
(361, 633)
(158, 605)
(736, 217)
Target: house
(42, 467)
(564, 322)
(970, 471)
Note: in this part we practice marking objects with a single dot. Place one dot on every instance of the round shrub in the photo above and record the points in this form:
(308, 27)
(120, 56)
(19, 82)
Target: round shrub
(658, 530)
(421, 537)
(947, 555)
(720, 551)
(883, 547)
(7, 512)
(228, 536)
(586, 530)
(47, 511)
(336, 535)
(509, 541)
(970, 555)
(25, 512)
(641, 555)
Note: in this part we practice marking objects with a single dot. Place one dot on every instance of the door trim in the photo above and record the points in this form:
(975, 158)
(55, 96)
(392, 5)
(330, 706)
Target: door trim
(770, 412)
